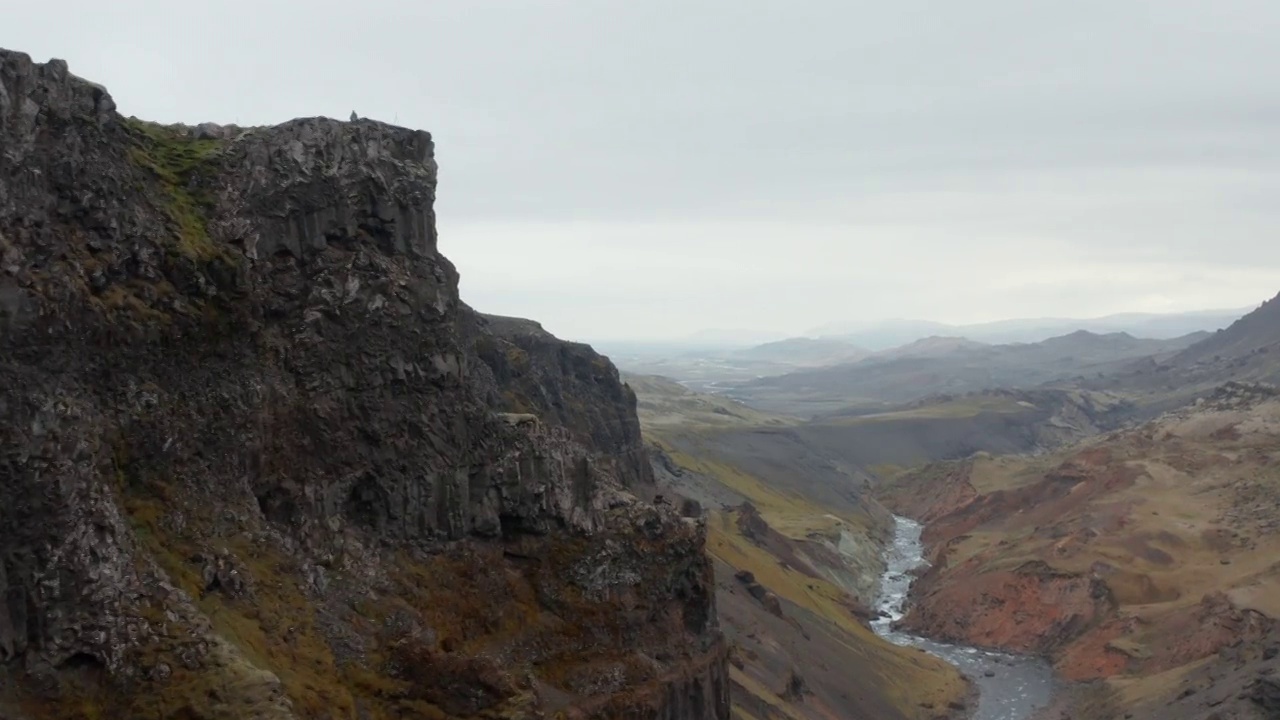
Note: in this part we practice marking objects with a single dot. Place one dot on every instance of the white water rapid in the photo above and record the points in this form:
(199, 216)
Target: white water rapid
(1010, 687)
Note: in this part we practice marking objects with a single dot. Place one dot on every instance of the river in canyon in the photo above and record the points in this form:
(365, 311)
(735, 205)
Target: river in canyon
(1010, 687)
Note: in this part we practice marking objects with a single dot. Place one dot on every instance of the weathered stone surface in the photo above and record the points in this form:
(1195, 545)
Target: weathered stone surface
(751, 524)
(569, 384)
(1267, 695)
(252, 460)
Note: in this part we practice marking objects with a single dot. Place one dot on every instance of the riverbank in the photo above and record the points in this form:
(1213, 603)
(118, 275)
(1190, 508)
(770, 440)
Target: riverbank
(1009, 687)
(1142, 563)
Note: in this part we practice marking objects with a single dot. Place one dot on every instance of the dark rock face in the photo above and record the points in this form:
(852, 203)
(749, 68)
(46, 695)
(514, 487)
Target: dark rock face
(252, 460)
(762, 594)
(1267, 695)
(752, 526)
(796, 687)
(568, 384)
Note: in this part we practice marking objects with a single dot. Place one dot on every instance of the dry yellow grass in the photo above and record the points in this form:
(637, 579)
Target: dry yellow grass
(963, 407)
(786, 511)
(1137, 691)
(759, 691)
(1181, 509)
(740, 714)
(907, 676)
(675, 420)
(992, 473)
(665, 404)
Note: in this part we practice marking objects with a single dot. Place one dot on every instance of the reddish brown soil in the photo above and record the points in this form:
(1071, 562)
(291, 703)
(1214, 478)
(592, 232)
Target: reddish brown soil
(1134, 559)
(1031, 609)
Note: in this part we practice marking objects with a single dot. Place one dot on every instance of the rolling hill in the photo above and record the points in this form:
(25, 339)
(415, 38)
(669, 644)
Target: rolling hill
(950, 365)
(892, 333)
(805, 351)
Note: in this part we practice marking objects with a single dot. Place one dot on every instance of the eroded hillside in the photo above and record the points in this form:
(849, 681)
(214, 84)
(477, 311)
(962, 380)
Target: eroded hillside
(797, 543)
(1145, 559)
(252, 459)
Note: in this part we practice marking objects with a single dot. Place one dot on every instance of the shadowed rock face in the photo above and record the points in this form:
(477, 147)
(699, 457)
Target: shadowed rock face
(252, 458)
(569, 384)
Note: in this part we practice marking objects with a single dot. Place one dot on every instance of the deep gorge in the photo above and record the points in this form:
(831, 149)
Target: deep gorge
(1009, 687)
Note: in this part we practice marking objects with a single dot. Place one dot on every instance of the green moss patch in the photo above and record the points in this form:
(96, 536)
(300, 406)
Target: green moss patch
(178, 162)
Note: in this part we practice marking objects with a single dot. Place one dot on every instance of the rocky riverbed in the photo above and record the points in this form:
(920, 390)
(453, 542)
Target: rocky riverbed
(1010, 687)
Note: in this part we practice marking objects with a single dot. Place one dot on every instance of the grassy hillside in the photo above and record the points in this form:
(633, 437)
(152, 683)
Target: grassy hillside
(948, 427)
(666, 403)
(817, 565)
(1144, 558)
(798, 549)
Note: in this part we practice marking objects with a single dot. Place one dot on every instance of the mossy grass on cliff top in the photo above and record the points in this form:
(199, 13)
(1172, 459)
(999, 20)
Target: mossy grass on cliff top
(178, 160)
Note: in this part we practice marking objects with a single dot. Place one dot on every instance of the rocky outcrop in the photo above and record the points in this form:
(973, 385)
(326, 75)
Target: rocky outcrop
(1266, 694)
(752, 526)
(767, 599)
(252, 457)
(569, 384)
(1031, 609)
(1240, 681)
(931, 491)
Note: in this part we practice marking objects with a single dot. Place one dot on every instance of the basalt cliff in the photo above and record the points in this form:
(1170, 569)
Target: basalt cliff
(258, 460)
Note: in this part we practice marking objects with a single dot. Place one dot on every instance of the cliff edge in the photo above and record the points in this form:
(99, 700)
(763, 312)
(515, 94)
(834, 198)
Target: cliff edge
(260, 461)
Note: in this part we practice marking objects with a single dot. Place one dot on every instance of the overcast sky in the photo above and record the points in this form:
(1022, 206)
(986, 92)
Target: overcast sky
(649, 168)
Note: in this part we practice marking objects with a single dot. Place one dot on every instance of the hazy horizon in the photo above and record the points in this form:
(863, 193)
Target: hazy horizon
(653, 169)
(749, 336)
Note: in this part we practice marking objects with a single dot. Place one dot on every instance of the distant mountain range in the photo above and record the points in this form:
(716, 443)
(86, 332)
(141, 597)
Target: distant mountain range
(804, 351)
(1252, 337)
(900, 361)
(933, 346)
(819, 352)
(1248, 350)
(1156, 372)
(949, 365)
(894, 333)
(843, 342)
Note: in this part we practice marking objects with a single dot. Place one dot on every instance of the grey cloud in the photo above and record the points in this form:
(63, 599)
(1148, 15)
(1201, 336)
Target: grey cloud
(1003, 136)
